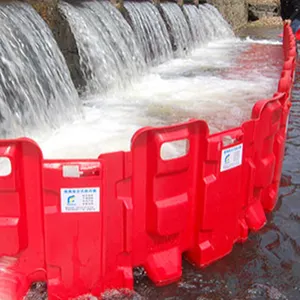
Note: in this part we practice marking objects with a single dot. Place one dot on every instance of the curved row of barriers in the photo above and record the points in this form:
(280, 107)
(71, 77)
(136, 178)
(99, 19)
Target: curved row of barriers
(82, 225)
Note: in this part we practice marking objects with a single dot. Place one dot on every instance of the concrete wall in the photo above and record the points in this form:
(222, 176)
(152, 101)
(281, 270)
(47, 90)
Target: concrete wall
(234, 11)
(47, 9)
(260, 9)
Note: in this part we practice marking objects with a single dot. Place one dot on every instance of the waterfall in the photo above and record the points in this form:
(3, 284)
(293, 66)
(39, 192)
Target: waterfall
(151, 31)
(107, 47)
(116, 49)
(178, 28)
(196, 23)
(36, 89)
(217, 27)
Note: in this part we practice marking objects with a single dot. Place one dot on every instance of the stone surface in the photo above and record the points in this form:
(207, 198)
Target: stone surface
(47, 9)
(67, 44)
(263, 9)
(50, 12)
(266, 22)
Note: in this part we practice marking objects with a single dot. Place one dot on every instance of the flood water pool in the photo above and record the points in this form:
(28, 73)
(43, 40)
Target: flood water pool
(218, 83)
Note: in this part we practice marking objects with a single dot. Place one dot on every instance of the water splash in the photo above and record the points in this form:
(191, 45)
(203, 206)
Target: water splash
(196, 23)
(178, 27)
(151, 32)
(220, 28)
(36, 90)
(211, 83)
(106, 44)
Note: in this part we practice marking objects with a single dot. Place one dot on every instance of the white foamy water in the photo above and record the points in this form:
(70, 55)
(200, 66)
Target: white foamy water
(263, 41)
(219, 83)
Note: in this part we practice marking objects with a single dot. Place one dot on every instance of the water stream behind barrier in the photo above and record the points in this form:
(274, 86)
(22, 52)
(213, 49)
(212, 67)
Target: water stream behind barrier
(218, 79)
(218, 83)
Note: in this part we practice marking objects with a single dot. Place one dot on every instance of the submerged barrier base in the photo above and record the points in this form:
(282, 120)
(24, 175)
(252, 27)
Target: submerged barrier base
(81, 225)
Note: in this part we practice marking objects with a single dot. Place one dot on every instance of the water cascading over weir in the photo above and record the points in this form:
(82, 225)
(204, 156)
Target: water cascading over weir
(115, 50)
(36, 91)
(110, 50)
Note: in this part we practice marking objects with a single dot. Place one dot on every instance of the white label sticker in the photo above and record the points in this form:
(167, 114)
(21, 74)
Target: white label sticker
(231, 157)
(80, 200)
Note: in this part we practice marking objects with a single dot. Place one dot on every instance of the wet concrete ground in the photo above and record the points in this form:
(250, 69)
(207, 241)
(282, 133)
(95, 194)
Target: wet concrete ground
(260, 32)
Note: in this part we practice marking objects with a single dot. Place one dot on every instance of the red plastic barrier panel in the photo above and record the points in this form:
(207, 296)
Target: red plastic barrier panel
(84, 228)
(266, 158)
(284, 92)
(21, 215)
(220, 222)
(289, 44)
(165, 185)
(239, 164)
(285, 44)
(289, 66)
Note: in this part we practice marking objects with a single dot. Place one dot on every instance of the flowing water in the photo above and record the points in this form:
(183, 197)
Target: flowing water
(178, 27)
(221, 27)
(110, 56)
(196, 24)
(36, 90)
(150, 31)
(218, 82)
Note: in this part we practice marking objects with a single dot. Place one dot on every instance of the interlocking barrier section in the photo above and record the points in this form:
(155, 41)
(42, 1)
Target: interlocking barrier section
(82, 225)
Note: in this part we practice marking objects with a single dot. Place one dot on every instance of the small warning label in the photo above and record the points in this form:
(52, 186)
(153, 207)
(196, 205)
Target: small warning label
(231, 157)
(80, 200)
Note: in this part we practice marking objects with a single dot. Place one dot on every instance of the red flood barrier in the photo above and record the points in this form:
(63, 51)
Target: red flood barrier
(219, 223)
(83, 225)
(164, 221)
(21, 215)
(84, 228)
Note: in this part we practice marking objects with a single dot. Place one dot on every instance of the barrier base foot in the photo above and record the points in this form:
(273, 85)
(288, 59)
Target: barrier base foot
(164, 267)
(243, 231)
(13, 286)
(120, 278)
(205, 252)
(270, 199)
(255, 216)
